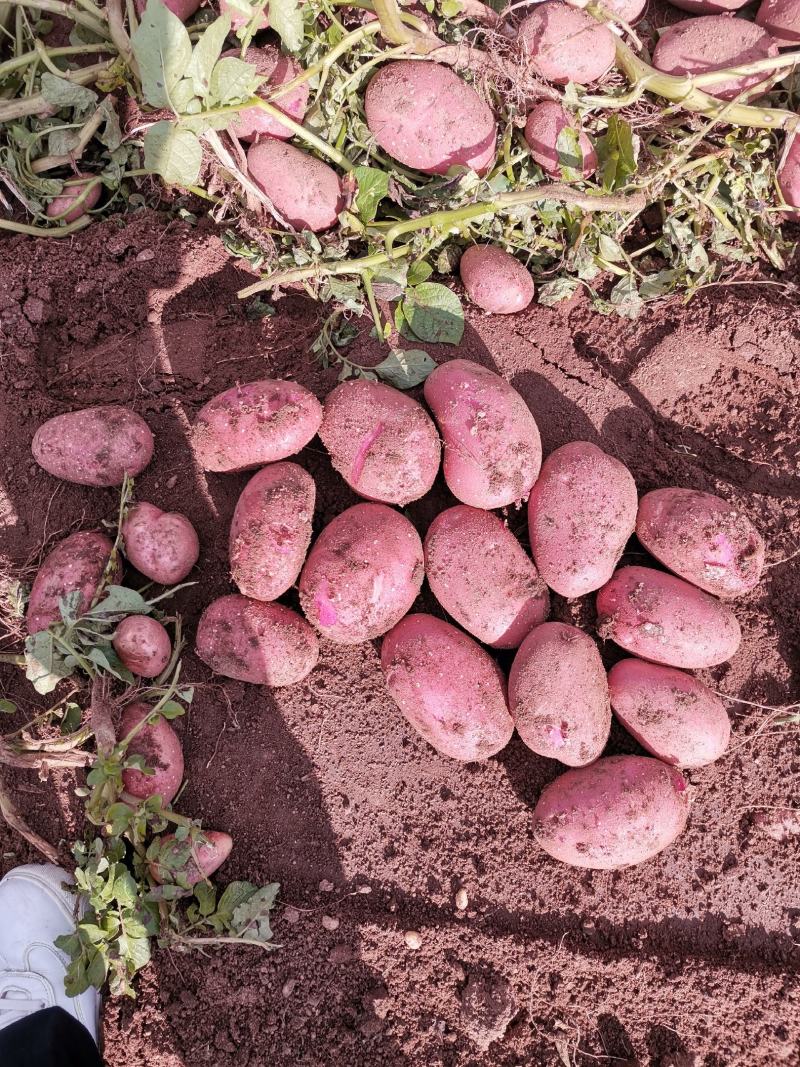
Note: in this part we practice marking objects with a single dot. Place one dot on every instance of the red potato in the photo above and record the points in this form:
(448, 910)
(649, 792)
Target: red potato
(257, 642)
(271, 530)
(789, 178)
(479, 573)
(629, 11)
(278, 69)
(306, 192)
(182, 8)
(253, 424)
(545, 124)
(449, 689)
(71, 191)
(616, 812)
(427, 118)
(77, 562)
(558, 695)
(581, 513)
(565, 44)
(714, 42)
(207, 857)
(238, 19)
(362, 575)
(162, 752)
(94, 446)
(381, 441)
(492, 448)
(161, 545)
(495, 280)
(702, 538)
(664, 619)
(781, 20)
(143, 645)
(709, 7)
(669, 712)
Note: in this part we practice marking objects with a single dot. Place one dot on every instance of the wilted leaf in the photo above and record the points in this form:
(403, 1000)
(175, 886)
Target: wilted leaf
(405, 368)
(625, 298)
(206, 896)
(71, 719)
(373, 186)
(433, 313)
(391, 282)
(68, 606)
(60, 92)
(553, 292)
(163, 50)
(610, 250)
(654, 286)
(616, 151)
(569, 154)
(286, 18)
(174, 153)
(251, 919)
(347, 293)
(234, 895)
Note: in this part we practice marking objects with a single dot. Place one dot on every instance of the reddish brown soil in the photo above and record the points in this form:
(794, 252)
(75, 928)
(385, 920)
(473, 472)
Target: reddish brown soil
(689, 959)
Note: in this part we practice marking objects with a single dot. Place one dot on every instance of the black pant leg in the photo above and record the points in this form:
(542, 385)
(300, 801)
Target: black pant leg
(48, 1038)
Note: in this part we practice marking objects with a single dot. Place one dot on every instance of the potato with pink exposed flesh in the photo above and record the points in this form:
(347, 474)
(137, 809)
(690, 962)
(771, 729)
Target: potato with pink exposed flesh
(362, 574)
(664, 619)
(143, 645)
(161, 750)
(94, 446)
(581, 513)
(546, 122)
(253, 424)
(277, 69)
(381, 441)
(480, 574)
(702, 538)
(271, 530)
(197, 866)
(257, 642)
(304, 191)
(448, 688)
(669, 712)
(495, 280)
(76, 564)
(558, 695)
(564, 44)
(781, 20)
(492, 448)
(73, 188)
(616, 812)
(161, 545)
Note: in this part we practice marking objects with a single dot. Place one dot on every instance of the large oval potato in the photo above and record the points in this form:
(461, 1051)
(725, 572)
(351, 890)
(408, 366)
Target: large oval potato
(546, 122)
(277, 69)
(703, 538)
(565, 44)
(161, 545)
(581, 512)
(257, 642)
(427, 118)
(781, 20)
(492, 448)
(143, 645)
(480, 574)
(305, 192)
(362, 574)
(669, 712)
(161, 748)
(664, 619)
(382, 442)
(616, 812)
(95, 446)
(253, 424)
(271, 530)
(76, 563)
(449, 689)
(495, 280)
(558, 695)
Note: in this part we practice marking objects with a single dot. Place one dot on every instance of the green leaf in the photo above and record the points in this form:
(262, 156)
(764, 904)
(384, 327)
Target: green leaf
(405, 368)
(206, 53)
(232, 80)
(71, 719)
(97, 970)
(610, 250)
(171, 709)
(616, 151)
(286, 18)
(391, 282)
(163, 50)
(373, 186)
(625, 298)
(419, 272)
(119, 600)
(45, 665)
(138, 953)
(569, 154)
(63, 93)
(174, 153)
(553, 292)
(110, 133)
(7, 707)
(68, 606)
(251, 919)
(433, 313)
(233, 897)
(76, 980)
(206, 896)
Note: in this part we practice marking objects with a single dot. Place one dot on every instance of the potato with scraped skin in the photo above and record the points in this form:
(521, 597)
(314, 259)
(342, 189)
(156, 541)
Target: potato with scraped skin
(95, 446)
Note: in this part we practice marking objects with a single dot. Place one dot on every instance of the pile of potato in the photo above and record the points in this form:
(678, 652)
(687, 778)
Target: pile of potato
(359, 580)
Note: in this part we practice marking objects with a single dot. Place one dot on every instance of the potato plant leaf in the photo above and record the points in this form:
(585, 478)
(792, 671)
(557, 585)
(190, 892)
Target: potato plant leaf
(232, 80)
(616, 151)
(60, 92)
(373, 186)
(569, 154)
(553, 292)
(119, 600)
(162, 48)
(7, 707)
(286, 19)
(405, 368)
(432, 312)
(172, 152)
(206, 53)
(251, 918)
(45, 665)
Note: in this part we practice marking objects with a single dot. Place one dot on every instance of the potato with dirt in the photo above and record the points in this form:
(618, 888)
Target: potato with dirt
(277, 70)
(95, 446)
(789, 179)
(143, 645)
(781, 20)
(565, 45)
(200, 863)
(161, 545)
(495, 280)
(450, 690)
(305, 192)
(60, 207)
(544, 128)
(76, 564)
(159, 746)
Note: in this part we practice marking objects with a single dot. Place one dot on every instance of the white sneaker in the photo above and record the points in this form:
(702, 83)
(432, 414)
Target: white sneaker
(34, 910)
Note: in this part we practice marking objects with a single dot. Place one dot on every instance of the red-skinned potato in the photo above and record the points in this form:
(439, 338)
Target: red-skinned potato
(184, 9)
(495, 280)
(708, 7)
(71, 191)
(238, 19)
(77, 562)
(427, 118)
(581, 513)
(781, 20)
(702, 538)
(492, 448)
(257, 642)
(161, 748)
(161, 545)
(362, 574)
(271, 530)
(558, 695)
(545, 124)
(480, 574)
(664, 619)
(381, 441)
(789, 178)
(448, 688)
(94, 446)
(565, 44)
(669, 712)
(278, 69)
(143, 645)
(629, 11)
(253, 424)
(207, 857)
(305, 192)
(616, 812)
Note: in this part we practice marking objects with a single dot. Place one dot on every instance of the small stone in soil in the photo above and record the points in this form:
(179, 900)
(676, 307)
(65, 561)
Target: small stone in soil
(288, 987)
(330, 923)
(291, 915)
(413, 939)
(325, 886)
(462, 900)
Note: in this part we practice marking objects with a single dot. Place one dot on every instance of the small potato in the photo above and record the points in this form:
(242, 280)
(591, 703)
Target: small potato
(495, 280)
(253, 424)
(381, 441)
(271, 530)
(565, 44)
(448, 688)
(238, 18)
(546, 122)
(305, 192)
(664, 619)
(206, 858)
(669, 712)
(789, 179)
(71, 191)
(480, 574)
(781, 20)
(581, 513)
(616, 812)
(95, 446)
(427, 118)
(492, 448)
(714, 42)
(161, 545)
(161, 748)
(278, 69)
(704, 539)
(143, 645)
(558, 695)
(362, 575)
(257, 642)
(76, 563)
